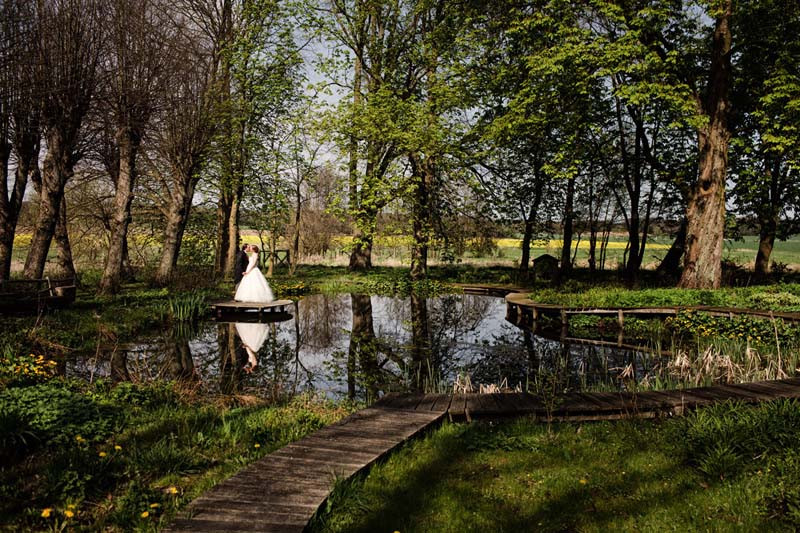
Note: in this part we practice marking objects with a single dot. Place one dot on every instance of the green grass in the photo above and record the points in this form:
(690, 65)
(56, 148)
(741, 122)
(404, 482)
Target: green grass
(778, 297)
(107, 454)
(731, 468)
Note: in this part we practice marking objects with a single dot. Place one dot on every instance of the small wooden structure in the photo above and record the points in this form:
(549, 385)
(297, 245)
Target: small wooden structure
(281, 258)
(259, 309)
(545, 267)
(26, 295)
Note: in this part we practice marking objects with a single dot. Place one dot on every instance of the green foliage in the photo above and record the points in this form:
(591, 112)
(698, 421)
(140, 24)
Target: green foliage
(185, 307)
(727, 440)
(60, 415)
(699, 324)
(138, 442)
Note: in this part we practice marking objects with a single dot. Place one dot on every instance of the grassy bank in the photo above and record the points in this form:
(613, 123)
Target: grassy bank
(728, 468)
(127, 457)
(777, 297)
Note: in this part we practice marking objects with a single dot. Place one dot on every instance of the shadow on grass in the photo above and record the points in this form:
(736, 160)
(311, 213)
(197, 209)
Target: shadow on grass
(440, 484)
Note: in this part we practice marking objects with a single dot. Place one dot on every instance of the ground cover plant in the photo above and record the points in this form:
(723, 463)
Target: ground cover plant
(727, 468)
(127, 456)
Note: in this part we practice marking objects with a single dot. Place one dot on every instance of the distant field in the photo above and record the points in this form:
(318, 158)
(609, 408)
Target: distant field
(395, 250)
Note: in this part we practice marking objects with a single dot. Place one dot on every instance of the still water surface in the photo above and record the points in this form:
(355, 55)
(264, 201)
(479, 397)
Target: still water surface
(361, 346)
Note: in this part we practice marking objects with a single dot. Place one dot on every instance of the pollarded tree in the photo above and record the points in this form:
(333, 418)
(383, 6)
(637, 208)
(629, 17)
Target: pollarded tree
(134, 73)
(70, 34)
(184, 129)
(19, 117)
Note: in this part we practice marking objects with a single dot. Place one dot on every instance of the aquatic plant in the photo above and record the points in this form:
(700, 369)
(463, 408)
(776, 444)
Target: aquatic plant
(184, 307)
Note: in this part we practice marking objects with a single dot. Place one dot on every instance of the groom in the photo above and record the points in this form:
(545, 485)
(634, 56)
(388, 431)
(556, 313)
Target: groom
(239, 265)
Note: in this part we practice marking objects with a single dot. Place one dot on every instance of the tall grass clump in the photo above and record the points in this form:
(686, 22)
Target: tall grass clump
(185, 307)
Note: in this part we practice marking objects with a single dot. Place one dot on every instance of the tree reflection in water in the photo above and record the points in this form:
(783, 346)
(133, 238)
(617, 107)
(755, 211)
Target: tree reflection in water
(360, 346)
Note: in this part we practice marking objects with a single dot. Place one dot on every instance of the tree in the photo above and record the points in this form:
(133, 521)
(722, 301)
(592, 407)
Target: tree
(766, 149)
(134, 74)
(378, 36)
(70, 34)
(185, 130)
(259, 73)
(19, 117)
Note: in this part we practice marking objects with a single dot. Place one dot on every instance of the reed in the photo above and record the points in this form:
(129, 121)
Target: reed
(186, 307)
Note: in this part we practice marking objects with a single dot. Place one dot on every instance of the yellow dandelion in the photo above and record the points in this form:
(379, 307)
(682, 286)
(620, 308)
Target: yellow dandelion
(71, 506)
(68, 513)
(256, 445)
(46, 512)
(102, 454)
(155, 505)
(79, 438)
(583, 481)
(145, 514)
(172, 490)
(117, 447)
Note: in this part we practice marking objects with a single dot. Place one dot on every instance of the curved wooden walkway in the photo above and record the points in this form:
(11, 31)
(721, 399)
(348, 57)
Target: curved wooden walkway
(521, 309)
(283, 490)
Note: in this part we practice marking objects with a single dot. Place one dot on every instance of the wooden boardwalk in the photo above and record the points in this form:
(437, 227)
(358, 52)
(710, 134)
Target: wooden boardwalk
(585, 406)
(283, 490)
(522, 310)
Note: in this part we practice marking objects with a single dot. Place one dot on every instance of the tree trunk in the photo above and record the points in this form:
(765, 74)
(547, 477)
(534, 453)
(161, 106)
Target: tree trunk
(8, 223)
(293, 260)
(566, 248)
(233, 231)
(421, 213)
(65, 267)
(173, 232)
(223, 221)
(527, 237)
(361, 255)
(706, 209)
(121, 212)
(766, 241)
(51, 192)
(671, 263)
(634, 258)
(768, 216)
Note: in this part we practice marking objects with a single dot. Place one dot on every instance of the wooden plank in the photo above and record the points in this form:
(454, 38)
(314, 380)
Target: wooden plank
(743, 393)
(458, 404)
(426, 402)
(776, 389)
(602, 403)
(442, 404)
(572, 402)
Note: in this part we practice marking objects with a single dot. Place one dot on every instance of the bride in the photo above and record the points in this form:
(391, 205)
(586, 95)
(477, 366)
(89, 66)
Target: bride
(253, 287)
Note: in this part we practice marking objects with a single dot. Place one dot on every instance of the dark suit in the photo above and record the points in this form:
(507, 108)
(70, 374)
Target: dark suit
(239, 265)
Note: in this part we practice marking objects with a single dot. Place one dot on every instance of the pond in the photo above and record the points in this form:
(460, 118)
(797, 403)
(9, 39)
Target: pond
(360, 346)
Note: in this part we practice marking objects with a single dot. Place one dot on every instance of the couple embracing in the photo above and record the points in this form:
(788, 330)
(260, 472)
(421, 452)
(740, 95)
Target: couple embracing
(251, 285)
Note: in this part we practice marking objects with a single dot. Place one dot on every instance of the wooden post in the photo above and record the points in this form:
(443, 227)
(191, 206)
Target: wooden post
(621, 324)
(564, 323)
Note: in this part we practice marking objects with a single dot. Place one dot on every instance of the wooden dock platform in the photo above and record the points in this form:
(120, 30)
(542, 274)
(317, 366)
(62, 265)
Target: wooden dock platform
(258, 308)
(283, 490)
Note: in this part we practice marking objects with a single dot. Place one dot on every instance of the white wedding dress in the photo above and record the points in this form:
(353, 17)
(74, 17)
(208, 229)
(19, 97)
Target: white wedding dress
(253, 335)
(253, 287)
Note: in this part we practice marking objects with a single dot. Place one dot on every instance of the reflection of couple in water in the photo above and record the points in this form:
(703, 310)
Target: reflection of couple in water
(253, 335)
(251, 286)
